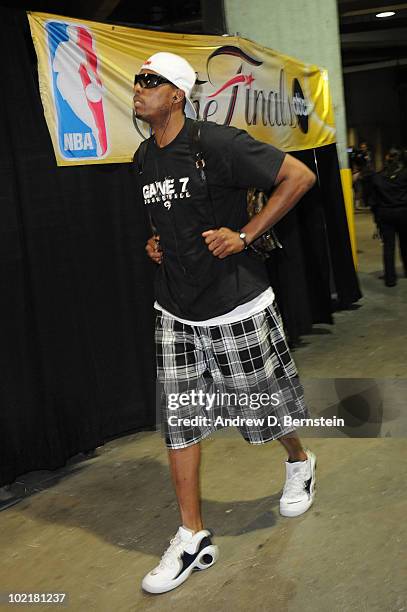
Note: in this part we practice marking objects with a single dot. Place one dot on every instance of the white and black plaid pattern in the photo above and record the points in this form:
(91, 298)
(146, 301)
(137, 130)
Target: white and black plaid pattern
(249, 356)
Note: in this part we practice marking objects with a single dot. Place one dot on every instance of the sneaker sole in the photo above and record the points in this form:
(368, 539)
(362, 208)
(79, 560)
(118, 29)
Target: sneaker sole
(206, 558)
(290, 512)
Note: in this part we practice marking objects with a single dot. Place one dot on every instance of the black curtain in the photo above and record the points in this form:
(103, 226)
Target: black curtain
(76, 314)
(344, 280)
(313, 274)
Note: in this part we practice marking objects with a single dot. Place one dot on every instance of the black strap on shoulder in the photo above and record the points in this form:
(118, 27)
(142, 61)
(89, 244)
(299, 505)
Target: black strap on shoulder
(194, 137)
(138, 164)
(195, 145)
(140, 156)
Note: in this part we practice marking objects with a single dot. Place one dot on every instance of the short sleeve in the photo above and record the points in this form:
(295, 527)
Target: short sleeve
(251, 163)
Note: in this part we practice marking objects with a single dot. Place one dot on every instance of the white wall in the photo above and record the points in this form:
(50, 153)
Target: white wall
(305, 29)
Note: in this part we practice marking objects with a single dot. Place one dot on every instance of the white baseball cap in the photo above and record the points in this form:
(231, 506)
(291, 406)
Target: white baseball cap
(177, 70)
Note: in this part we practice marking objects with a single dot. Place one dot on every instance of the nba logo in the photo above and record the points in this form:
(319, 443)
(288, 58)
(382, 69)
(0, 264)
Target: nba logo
(78, 91)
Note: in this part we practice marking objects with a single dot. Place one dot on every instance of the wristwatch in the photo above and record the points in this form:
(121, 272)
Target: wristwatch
(242, 236)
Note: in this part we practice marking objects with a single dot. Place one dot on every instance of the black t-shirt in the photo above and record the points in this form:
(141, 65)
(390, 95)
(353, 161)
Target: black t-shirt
(191, 283)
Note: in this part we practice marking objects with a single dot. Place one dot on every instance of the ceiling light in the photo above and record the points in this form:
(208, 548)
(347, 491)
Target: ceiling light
(386, 14)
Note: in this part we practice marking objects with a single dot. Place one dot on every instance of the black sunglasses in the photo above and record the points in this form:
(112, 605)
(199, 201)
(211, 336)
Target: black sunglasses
(148, 81)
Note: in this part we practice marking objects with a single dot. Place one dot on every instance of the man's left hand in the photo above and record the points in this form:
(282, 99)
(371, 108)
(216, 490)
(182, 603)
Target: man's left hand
(223, 242)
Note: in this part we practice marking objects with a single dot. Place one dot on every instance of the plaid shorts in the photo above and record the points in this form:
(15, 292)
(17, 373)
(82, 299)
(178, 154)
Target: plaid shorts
(239, 374)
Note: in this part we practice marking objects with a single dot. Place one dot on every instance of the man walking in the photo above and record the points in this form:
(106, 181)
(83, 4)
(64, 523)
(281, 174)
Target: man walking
(217, 322)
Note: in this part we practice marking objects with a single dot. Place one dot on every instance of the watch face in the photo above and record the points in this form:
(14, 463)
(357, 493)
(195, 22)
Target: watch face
(242, 236)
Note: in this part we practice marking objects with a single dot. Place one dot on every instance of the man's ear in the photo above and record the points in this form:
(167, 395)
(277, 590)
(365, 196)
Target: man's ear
(178, 96)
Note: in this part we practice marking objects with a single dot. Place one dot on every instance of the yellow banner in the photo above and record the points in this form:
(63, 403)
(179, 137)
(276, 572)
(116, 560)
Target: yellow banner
(86, 71)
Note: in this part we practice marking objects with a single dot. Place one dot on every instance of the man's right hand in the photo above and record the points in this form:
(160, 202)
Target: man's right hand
(153, 249)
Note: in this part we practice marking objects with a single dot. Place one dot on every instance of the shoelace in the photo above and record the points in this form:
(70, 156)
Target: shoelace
(295, 485)
(175, 548)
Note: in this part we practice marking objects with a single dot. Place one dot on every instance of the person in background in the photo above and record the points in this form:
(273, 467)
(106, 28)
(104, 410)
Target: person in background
(365, 160)
(366, 153)
(389, 205)
(357, 181)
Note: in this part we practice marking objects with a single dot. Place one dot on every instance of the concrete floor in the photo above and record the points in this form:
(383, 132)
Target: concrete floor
(98, 526)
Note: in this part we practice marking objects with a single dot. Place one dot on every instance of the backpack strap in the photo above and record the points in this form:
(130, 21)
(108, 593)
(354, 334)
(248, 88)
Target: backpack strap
(140, 156)
(195, 145)
(138, 164)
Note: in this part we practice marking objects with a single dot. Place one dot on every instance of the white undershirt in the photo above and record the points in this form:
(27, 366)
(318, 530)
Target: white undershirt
(239, 313)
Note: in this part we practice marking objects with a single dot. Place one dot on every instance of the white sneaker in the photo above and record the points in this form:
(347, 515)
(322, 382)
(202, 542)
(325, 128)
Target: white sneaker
(187, 551)
(299, 489)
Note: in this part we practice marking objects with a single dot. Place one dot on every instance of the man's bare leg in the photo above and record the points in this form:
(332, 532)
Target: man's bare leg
(195, 548)
(184, 465)
(293, 446)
